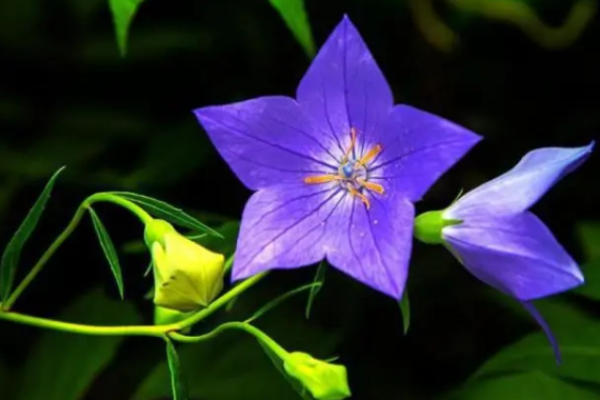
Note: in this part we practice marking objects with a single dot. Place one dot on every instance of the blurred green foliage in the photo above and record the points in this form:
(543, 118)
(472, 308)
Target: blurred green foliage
(62, 366)
(526, 386)
(67, 97)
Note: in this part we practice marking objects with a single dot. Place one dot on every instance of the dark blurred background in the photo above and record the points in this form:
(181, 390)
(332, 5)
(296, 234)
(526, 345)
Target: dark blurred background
(68, 98)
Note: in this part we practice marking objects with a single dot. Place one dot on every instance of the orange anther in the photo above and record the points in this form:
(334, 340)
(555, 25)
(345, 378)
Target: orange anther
(352, 144)
(376, 187)
(358, 194)
(369, 156)
(322, 178)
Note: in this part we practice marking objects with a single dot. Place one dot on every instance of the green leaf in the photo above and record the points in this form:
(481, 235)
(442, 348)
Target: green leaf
(319, 278)
(294, 14)
(109, 250)
(526, 386)
(62, 366)
(123, 12)
(589, 236)
(278, 363)
(591, 286)
(177, 382)
(12, 253)
(274, 303)
(405, 309)
(577, 335)
(160, 209)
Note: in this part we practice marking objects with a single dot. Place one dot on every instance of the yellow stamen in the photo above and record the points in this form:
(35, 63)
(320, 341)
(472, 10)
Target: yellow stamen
(352, 144)
(358, 194)
(369, 156)
(376, 187)
(322, 178)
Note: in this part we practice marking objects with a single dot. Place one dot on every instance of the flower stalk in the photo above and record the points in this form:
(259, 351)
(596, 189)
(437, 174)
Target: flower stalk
(133, 330)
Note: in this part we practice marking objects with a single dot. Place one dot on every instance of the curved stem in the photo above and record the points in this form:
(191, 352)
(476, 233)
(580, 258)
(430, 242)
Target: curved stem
(131, 330)
(127, 204)
(220, 302)
(244, 326)
(107, 197)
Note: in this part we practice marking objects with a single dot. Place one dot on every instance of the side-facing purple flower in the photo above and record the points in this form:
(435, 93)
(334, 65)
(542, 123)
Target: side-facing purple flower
(335, 170)
(497, 239)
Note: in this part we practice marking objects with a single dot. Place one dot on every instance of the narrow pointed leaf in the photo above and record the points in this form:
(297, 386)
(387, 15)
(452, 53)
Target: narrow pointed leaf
(319, 278)
(160, 209)
(177, 383)
(274, 303)
(278, 363)
(294, 14)
(12, 253)
(109, 250)
(123, 12)
(405, 309)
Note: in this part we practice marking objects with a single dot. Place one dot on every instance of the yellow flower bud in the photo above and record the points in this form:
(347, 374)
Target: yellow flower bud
(323, 380)
(186, 275)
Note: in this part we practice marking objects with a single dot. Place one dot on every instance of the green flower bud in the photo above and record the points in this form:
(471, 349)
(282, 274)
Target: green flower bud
(429, 225)
(186, 275)
(156, 230)
(323, 380)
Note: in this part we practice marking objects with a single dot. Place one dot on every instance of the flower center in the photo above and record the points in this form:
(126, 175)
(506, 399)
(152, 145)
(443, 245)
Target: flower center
(352, 174)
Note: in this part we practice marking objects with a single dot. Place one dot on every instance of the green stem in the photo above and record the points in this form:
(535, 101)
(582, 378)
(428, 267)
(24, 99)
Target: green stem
(228, 263)
(44, 259)
(220, 302)
(246, 327)
(111, 198)
(132, 330)
(98, 197)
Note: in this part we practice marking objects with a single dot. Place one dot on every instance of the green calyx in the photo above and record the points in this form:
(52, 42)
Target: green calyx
(156, 230)
(429, 226)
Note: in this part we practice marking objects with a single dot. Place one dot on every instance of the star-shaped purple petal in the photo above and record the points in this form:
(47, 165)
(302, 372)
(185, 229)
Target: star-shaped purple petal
(335, 170)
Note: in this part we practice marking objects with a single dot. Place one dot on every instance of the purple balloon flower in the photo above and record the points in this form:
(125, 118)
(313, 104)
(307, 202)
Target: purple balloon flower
(496, 239)
(335, 170)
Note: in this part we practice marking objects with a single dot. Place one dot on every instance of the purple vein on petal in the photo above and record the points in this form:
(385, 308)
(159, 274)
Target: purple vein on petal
(326, 109)
(307, 157)
(410, 153)
(349, 236)
(345, 73)
(365, 124)
(286, 230)
(252, 161)
(295, 199)
(388, 273)
(308, 232)
(294, 128)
